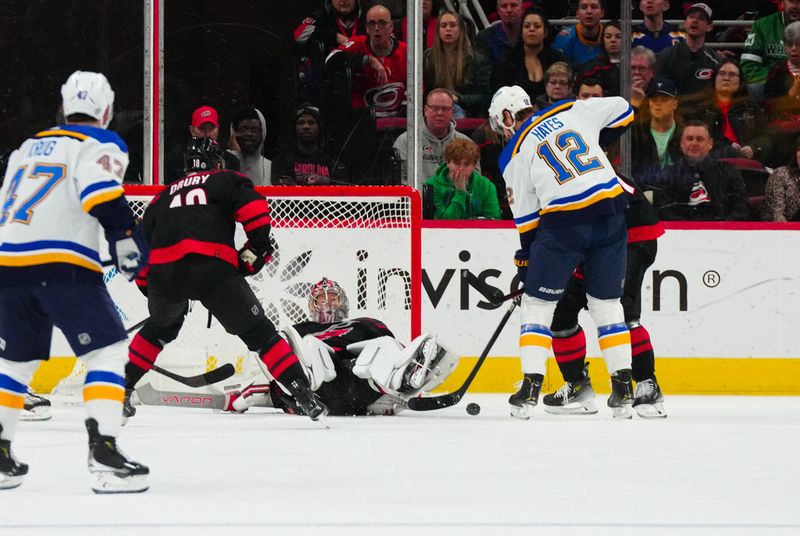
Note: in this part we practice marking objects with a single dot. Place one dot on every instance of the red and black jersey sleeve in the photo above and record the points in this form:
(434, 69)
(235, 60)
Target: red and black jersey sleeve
(252, 210)
(641, 218)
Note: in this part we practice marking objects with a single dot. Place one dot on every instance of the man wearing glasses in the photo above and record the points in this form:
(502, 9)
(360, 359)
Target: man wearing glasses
(377, 62)
(438, 130)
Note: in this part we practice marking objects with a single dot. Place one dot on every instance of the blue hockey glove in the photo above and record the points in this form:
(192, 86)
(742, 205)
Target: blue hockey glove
(129, 250)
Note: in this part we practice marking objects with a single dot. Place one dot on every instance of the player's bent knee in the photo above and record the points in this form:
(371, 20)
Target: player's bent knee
(165, 334)
(605, 312)
(19, 371)
(260, 337)
(111, 358)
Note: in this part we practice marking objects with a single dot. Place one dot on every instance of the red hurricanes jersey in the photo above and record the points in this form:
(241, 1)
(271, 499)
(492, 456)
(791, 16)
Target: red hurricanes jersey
(386, 100)
(198, 213)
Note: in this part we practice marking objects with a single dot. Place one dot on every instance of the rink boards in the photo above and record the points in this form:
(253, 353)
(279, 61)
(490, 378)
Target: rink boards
(720, 302)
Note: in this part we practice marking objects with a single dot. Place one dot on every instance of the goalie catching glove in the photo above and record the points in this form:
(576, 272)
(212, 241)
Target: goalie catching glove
(252, 259)
(128, 248)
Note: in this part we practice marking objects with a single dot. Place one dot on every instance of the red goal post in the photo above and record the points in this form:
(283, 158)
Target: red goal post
(368, 238)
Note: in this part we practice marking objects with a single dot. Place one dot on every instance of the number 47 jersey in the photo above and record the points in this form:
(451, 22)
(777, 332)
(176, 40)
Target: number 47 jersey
(57, 185)
(555, 169)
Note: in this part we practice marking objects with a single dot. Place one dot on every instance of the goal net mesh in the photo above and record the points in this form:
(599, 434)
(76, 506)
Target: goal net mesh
(365, 238)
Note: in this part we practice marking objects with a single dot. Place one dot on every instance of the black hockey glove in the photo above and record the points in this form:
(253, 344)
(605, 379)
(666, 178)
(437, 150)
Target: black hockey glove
(251, 261)
(521, 262)
(128, 248)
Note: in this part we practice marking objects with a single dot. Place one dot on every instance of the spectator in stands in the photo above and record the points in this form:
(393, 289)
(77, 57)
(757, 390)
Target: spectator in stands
(248, 132)
(306, 162)
(655, 33)
(691, 63)
(493, 41)
(558, 81)
(764, 47)
(582, 43)
(699, 187)
(782, 98)
(340, 21)
(643, 70)
(655, 137)
(452, 64)
(605, 67)
(525, 64)
(588, 88)
(459, 192)
(738, 124)
(430, 24)
(377, 62)
(205, 124)
(491, 145)
(782, 199)
(438, 131)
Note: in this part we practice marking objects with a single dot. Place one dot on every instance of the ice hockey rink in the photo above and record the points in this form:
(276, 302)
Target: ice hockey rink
(717, 465)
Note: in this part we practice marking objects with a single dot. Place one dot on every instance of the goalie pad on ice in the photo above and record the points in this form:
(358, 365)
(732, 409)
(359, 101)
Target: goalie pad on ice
(314, 355)
(420, 367)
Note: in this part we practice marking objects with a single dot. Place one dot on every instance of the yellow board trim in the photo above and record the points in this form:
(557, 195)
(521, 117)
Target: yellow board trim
(676, 375)
(103, 392)
(8, 400)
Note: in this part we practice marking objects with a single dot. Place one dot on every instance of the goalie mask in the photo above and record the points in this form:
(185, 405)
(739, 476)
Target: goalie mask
(327, 302)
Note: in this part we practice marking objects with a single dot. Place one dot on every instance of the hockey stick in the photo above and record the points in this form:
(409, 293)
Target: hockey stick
(201, 380)
(492, 294)
(451, 399)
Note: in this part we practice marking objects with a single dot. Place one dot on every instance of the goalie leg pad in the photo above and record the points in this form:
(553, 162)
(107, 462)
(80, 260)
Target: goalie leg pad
(314, 355)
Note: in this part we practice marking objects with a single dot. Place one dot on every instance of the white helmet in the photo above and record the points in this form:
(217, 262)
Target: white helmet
(88, 93)
(511, 99)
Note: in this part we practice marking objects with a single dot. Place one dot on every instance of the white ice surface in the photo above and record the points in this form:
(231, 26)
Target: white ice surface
(717, 465)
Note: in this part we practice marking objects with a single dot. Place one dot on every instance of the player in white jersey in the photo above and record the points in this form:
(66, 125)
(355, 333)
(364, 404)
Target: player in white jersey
(569, 207)
(62, 187)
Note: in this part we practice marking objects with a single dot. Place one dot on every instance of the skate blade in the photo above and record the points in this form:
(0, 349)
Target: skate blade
(651, 411)
(42, 413)
(107, 482)
(323, 420)
(10, 482)
(588, 408)
(521, 412)
(622, 412)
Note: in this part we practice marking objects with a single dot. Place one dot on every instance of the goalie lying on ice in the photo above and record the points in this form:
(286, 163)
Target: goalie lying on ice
(356, 366)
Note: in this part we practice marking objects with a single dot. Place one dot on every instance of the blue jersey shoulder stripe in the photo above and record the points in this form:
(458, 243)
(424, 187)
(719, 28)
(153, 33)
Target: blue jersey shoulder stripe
(100, 134)
(89, 190)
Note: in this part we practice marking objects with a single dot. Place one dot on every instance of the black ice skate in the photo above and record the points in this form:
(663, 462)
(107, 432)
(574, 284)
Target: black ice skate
(37, 408)
(308, 402)
(128, 410)
(574, 398)
(649, 400)
(111, 471)
(11, 471)
(527, 397)
(621, 397)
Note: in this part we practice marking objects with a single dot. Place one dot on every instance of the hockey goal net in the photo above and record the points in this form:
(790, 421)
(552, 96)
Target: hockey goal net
(368, 239)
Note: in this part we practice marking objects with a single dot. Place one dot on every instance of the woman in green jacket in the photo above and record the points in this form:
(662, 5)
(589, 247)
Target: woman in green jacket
(459, 192)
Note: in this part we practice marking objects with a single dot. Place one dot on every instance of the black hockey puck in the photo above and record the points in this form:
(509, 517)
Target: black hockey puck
(473, 408)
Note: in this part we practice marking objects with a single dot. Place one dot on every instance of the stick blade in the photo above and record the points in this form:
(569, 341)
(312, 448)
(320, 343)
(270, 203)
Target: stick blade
(435, 402)
(215, 376)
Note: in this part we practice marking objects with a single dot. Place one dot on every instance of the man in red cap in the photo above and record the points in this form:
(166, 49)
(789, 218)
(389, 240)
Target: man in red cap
(205, 123)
